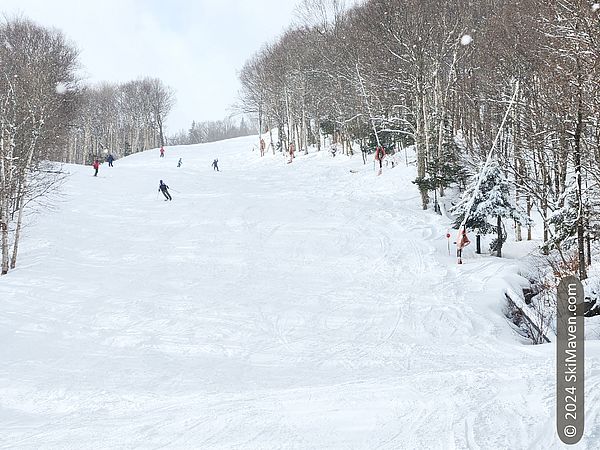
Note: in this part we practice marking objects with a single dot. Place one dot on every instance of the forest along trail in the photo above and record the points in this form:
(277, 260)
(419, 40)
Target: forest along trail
(267, 305)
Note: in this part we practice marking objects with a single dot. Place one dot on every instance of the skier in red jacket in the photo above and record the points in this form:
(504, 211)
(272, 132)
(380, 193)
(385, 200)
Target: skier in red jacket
(96, 166)
(461, 242)
(379, 155)
(162, 152)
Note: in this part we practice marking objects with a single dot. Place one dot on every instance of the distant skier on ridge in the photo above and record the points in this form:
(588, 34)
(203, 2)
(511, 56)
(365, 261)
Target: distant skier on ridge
(162, 187)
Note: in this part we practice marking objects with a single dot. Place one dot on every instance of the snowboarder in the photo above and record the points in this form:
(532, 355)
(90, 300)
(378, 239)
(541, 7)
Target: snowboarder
(109, 159)
(179, 163)
(96, 166)
(215, 165)
(162, 152)
(162, 187)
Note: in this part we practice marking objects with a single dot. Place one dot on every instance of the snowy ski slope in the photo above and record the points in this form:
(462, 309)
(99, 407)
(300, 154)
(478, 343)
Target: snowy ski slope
(269, 305)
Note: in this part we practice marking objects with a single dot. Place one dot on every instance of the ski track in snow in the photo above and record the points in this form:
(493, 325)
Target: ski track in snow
(269, 305)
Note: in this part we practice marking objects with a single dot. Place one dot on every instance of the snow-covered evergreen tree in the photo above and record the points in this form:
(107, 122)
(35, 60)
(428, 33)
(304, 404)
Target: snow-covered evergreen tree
(492, 200)
(443, 169)
(563, 220)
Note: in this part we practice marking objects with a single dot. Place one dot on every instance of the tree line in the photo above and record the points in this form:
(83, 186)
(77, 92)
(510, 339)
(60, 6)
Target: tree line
(38, 98)
(212, 131)
(120, 119)
(440, 76)
(48, 116)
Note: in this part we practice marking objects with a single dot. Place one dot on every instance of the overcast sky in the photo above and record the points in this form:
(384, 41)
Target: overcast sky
(195, 46)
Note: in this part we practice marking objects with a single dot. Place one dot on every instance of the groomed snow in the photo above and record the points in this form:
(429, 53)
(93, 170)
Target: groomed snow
(269, 305)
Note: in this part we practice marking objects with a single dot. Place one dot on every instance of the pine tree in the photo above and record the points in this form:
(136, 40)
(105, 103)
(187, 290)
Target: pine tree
(386, 139)
(493, 200)
(442, 170)
(564, 219)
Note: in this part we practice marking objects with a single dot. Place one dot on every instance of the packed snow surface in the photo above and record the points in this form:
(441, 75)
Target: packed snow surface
(269, 305)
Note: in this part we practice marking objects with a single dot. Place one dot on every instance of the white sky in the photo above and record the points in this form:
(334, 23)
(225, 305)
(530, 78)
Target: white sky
(195, 46)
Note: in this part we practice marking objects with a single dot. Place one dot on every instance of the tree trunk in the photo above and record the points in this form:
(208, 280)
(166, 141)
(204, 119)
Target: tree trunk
(317, 133)
(499, 231)
(546, 230)
(13, 261)
(22, 192)
(6, 171)
(4, 231)
(304, 127)
(421, 156)
(260, 129)
(271, 136)
(577, 164)
(589, 249)
(297, 142)
(529, 216)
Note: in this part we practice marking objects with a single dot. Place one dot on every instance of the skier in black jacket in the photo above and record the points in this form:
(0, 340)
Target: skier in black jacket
(165, 190)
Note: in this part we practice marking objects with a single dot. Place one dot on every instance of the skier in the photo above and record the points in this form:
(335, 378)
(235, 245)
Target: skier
(109, 159)
(162, 187)
(96, 166)
(379, 155)
(179, 163)
(262, 147)
(162, 152)
(215, 165)
(292, 148)
(461, 243)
